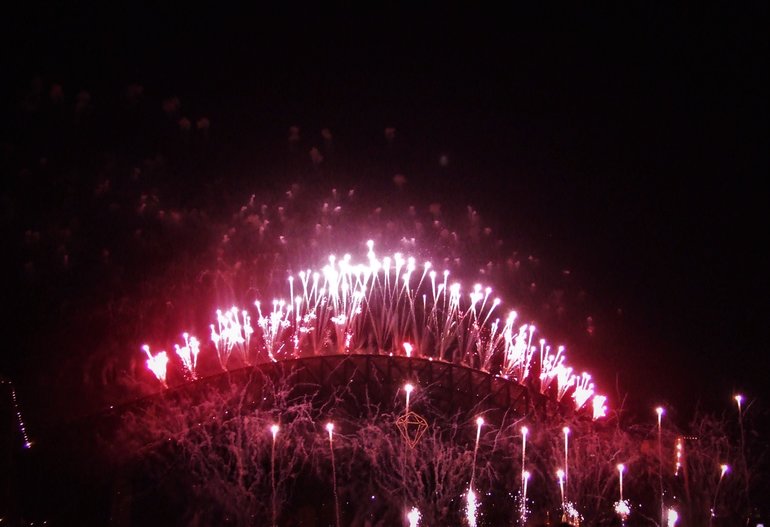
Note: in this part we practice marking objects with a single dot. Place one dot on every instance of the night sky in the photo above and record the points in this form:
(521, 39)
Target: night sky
(630, 145)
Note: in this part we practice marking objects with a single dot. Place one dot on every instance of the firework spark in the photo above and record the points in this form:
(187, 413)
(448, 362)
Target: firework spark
(413, 517)
(189, 354)
(471, 508)
(157, 363)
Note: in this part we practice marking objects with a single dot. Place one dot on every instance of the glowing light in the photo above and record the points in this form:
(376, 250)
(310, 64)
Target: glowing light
(274, 430)
(524, 432)
(599, 406)
(189, 354)
(413, 517)
(724, 468)
(679, 454)
(584, 389)
(622, 509)
(408, 388)
(157, 363)
(672, 518)
(408, 349)
(330, 430)
(565, 431)
(471, 508)
(233, 333)
(560, 477)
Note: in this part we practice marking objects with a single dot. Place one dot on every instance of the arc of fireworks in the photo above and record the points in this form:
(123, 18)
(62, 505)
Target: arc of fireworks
(388, 304)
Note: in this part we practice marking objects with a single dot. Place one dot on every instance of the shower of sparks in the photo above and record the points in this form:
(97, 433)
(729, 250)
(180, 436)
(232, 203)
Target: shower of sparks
(232, 333)
(189, 354)
(622, 509)
(19, 419)
(391, 305)
(525, 475)
(157, 363)
(413, 517)
(471, 508)
(600, 408)
(573, 516)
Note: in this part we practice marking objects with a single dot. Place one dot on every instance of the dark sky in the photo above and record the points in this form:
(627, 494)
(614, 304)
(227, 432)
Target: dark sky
(634, 141)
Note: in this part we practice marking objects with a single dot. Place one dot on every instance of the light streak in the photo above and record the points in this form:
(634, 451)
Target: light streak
(16, 410)
(274, 431)
(330, 430)
(408, 388)
(724, 468)
(622, 508)
(565, 431)
(660, 411)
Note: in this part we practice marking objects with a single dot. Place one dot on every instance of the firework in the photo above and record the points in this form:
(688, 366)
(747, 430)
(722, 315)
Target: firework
(671, 518)
(19, 419)
(408, 387)
(157, 363)
(233, 333)
(413, 517)
(525, 475)
(189, 354)
(274, 431)
(471, 508)
(660, 411)
(723, 469)
(330, 430)
(622, 508)
(566, 431)
(392, 304)
(599, 406)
